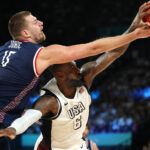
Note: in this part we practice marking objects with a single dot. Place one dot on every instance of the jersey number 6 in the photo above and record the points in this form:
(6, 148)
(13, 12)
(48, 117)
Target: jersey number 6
(78, 123)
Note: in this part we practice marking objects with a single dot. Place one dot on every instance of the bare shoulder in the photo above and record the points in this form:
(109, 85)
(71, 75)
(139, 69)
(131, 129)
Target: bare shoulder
(51, 49)
(50, 55)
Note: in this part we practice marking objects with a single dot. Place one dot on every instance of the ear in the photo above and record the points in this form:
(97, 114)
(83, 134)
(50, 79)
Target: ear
(25, 33)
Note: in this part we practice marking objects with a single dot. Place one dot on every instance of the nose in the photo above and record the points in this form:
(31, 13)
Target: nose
(40, 23)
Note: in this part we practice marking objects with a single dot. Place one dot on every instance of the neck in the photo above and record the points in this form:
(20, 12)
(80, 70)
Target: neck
(25, 39)
(68, 92)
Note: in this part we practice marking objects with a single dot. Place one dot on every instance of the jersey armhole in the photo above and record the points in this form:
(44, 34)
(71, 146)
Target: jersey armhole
(35, 61)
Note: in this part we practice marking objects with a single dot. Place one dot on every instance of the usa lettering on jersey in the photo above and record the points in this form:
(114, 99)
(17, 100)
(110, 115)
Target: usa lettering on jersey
(76, 110)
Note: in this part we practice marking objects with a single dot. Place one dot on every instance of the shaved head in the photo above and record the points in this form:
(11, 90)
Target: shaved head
(61, 67)
(67, 73)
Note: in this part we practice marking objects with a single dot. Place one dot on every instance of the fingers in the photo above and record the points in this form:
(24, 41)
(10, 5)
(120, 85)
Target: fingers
(145, 31)
(146, 25)
(3, 133)
(145, 13)
(145, 6)
(38, 122)
(11, 136)
(7, 132)
(144, 10)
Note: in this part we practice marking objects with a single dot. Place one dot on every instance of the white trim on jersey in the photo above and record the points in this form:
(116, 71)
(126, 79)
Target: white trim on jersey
(34, 61)
(38, 141)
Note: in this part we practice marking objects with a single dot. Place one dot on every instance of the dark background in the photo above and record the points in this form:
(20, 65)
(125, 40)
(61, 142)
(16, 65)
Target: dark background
(80, 21)
(69, 22)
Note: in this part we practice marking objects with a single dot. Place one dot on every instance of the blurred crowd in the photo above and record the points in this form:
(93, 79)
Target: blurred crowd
(124, 104)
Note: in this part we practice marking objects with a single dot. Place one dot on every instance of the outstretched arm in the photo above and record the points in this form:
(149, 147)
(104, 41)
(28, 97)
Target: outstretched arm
(56, 54)
(91, 69)
(45, 106)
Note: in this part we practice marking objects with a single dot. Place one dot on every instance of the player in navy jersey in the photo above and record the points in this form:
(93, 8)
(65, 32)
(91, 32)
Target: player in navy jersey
(23, 60)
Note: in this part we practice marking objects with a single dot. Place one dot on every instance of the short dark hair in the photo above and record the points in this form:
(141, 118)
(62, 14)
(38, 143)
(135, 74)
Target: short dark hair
(17, 23)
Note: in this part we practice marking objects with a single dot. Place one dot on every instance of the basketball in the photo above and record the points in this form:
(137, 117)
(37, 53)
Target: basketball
(147, 17)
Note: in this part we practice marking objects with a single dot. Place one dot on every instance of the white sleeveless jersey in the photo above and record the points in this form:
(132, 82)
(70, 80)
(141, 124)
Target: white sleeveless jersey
(68, 127)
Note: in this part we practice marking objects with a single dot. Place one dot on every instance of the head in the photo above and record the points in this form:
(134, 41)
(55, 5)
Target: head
(24, 26)
(68, 74)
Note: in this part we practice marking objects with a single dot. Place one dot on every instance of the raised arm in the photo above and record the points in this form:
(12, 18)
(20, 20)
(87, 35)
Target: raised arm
(91, 69)
(56, 54)
(45, 106)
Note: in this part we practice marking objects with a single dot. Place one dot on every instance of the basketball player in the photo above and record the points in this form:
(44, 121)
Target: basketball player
(22, 60)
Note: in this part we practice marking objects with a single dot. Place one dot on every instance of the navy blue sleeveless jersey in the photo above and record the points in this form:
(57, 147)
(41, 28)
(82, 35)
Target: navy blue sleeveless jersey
(18, 77)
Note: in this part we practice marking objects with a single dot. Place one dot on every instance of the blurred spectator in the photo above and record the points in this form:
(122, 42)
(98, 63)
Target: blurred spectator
(90, 144)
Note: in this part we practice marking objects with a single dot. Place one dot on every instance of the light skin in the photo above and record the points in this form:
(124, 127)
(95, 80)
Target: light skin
(34, 30)
(65, 54)
(48, 104)
(85, 133)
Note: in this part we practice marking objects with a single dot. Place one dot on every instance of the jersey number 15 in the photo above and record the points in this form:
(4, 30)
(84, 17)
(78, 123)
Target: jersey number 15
(6, 57)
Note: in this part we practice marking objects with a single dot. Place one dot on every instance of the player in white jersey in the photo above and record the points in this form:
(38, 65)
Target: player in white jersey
(69, 123)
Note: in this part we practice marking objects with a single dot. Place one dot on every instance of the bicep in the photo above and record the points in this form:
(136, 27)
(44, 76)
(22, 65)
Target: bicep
(45, 104)
(57, 54)
(67, 53)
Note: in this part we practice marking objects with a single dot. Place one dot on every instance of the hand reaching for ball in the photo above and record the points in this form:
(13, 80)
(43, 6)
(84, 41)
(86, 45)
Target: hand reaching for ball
(146, 18)
(142, 17)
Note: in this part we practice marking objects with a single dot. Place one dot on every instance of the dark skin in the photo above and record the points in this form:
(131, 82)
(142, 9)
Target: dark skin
(48, 104)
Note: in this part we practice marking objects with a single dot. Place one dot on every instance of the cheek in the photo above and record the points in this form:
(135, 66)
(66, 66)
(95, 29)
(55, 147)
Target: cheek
(35, 29)
(73, 76)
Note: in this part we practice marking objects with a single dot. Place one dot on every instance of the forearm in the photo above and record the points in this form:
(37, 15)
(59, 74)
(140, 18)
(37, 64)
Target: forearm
(110, 43)
(24, 122)
(121, 50)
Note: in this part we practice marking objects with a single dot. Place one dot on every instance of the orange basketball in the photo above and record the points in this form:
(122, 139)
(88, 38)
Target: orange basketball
(147, 17)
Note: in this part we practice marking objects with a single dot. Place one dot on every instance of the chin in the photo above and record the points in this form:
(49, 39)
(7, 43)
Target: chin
(43, 38)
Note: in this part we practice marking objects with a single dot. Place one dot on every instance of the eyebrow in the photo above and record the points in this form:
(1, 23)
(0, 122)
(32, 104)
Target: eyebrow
(34, 19)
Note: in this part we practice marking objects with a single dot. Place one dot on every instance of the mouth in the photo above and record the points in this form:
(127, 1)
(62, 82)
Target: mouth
(79, 76)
